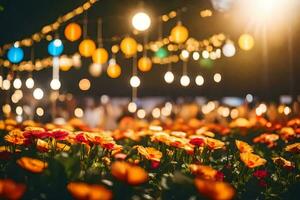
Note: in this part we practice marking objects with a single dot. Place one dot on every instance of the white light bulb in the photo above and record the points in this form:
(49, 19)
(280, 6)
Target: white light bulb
(217, 77)
(55, 84)
(132, 107)
(249, 98)
(29, 83)
(6, 84)
(229, 49)
(169, 77)
(17, 83)
(185, 80)
(199, 80)
(141, 21)
(185, 54)
(135, 81)
(1, 81)
(38, 93)
(141, 113)
(196, 55)
(57, 42)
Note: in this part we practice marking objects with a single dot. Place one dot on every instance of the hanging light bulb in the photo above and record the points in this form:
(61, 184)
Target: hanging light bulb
(55, 84)
(199, 80)
(196, 55)
(141, 21)
(229, 49)
(38, 93)
(135, 81)
(95, 69)
(17, 83)
(217, 77)
(29, 83)
(185, 80)
(169, 77)
(6, 84)
(132, 107)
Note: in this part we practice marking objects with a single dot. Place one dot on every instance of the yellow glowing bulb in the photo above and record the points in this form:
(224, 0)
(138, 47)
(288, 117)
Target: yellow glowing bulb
(141, 21)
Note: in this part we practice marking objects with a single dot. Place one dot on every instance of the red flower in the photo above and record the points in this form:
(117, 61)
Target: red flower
(59, 134)
(41, 134)
(109, 146)
(154, 164)
(260, 174)
(197, 142)
(219, 176)
(81, 138)
(262, 183)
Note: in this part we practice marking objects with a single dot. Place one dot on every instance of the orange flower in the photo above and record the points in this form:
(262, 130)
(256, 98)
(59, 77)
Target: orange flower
(287, 133)
(15, 137)
(214, 143)
(131, 174)
(205, 172)
(294, 122)
(11, 190)
(283, 162)
(216, 190)
(267, 138)
(293, 147)
(149, 153)
(243, 147)
(252, 160)
(83, 191)
(32, 165)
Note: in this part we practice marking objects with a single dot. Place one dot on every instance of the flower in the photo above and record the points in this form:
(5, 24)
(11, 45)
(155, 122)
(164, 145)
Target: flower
(81, 138)
(15, 137)
(287, 133)
(11, 190)
(131, 174)
(252, 160)
(35, 132)
(204, 172)
(59, 134)
(154, 164)
(197, 142)
(32, 165)
(295, 148)
(283, 162)
(83, 191)
(214, 143)
(260, 174)
(267, 138)
(243, 147)
(149, 153)
(216, 190)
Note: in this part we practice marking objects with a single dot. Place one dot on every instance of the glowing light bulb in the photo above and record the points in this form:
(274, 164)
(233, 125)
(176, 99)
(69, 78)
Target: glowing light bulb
(57, 42)
(55, 84)
(135, 81)
(17, 83)
(229, 49)
(141, 113)
(199, 80)
(6, 84)
(132, 107)
(196, 55)
(217, 77)
(185, 80)
(39, 111)
(29, 83)
(38, 93)
(249, 98)
(141, 21)
(78, 112)
(185, 54)
(169, 77)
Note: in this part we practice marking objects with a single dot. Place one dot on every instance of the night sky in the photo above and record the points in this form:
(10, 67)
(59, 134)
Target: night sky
(244, 73)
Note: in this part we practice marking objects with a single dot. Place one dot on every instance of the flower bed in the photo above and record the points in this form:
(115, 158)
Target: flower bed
(177, 160)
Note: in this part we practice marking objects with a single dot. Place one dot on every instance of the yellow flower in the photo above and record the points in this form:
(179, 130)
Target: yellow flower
(32, 165)
(243, 147)
(83, 191)
(252, 160)
(293, 147)
(214, 143)
(149, 153)
(15, 137)
(283, 162)
(131, 174)
(267, 138)
(216, 190)
(287, 133)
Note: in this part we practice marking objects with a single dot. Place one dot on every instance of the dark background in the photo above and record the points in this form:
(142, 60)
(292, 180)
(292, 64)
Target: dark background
(241, 74)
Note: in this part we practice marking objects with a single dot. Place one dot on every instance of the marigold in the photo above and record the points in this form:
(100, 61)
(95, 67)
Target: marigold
(32, 165)
(15, 137)
(149, 153)
(287, 133)
(35, 132)
(131, 174)
(252, 160)
(283, 162)
(243, 147)
(11, 190)
(216, 190)
(267, 138)
(204, 172)
(214, 143)
(83, 191)
(295, 148)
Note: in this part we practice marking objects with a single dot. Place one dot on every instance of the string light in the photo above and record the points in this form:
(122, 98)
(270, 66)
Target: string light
(39, 111)
(17, 83)
(38, 93)
(229, 49)
(29, 83)
(141, 21)
(135, 81)
(132, 107)
(141, 113)
(78, 112)
(156, 113)
(185, 80)
(84, 84)
(199, 80)
(249, 98)
(6, 84)
(55, 84)
(217, 77)
(196, 55)
(169, 77)
(19, 110)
